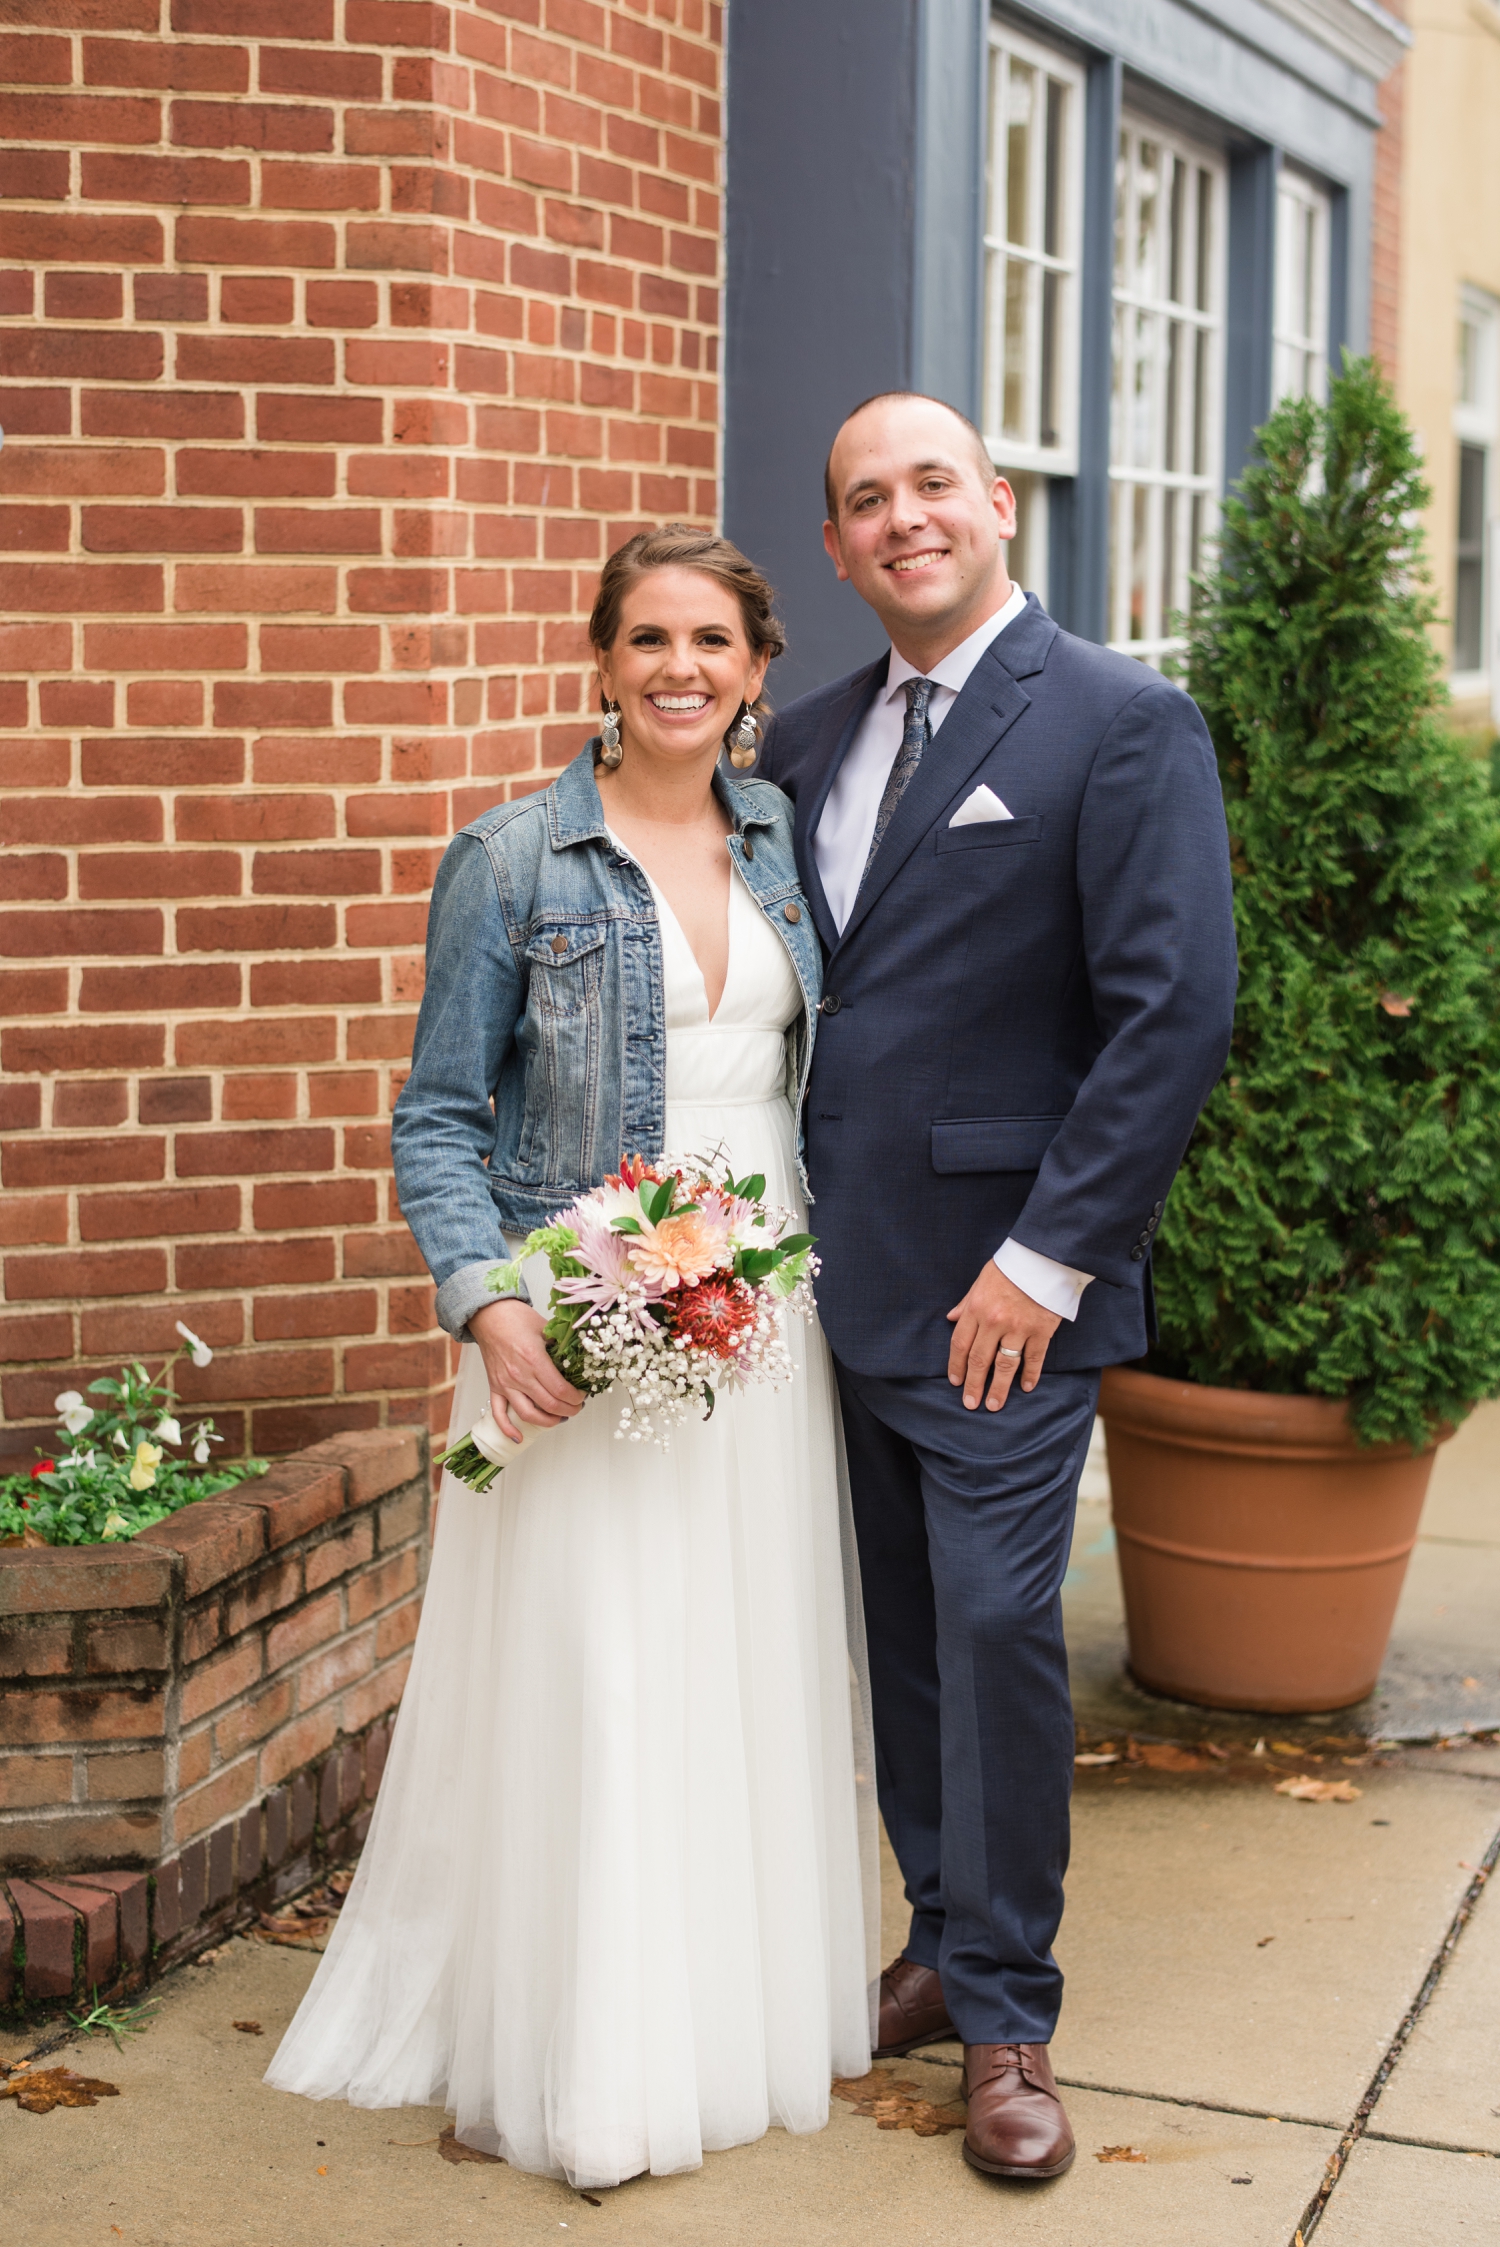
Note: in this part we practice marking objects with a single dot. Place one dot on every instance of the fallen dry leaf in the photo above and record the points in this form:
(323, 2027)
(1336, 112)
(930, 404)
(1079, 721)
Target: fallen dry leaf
(1393, 1003)
(248, 2028)
(1166, 1755)
(1260, 1946)
(1119, 2153)
(1319, 1790)
(894, 2104)
(452, 2148)
(1091, 1759)
(47, 2088)
(1284, 1747)
(26, 1537)
(291, 1929)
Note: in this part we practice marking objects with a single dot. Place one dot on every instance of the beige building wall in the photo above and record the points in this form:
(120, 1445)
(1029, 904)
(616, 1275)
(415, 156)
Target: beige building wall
(1450, 243)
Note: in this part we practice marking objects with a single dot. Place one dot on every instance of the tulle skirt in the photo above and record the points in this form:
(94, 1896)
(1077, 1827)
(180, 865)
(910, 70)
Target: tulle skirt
(618, 1900)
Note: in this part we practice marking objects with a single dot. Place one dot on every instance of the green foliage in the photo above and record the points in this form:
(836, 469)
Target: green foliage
(1336, 1225)
(112, 1472)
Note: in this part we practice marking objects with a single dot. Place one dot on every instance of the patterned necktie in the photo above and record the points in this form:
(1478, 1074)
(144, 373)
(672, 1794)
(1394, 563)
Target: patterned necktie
(915, 735)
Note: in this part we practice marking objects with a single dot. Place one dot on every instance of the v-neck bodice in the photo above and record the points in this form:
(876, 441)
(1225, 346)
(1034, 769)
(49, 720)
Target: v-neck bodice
(738, 1052)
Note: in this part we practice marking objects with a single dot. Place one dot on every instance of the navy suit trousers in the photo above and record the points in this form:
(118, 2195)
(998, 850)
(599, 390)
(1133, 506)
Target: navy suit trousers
(965, 1521)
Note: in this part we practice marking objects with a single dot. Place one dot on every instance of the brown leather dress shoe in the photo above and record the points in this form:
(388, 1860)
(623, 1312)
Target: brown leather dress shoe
(1017, 2127)
(913, 2010)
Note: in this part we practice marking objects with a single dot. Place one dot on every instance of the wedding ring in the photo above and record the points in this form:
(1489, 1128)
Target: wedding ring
(1002, 1352)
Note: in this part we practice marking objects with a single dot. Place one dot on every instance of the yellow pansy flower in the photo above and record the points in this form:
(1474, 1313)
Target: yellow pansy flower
(143, 1467)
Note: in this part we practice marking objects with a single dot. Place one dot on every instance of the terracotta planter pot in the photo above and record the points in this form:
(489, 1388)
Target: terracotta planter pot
(1262, 1550)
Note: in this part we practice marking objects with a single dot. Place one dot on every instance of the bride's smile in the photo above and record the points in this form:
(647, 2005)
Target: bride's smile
(681, 668)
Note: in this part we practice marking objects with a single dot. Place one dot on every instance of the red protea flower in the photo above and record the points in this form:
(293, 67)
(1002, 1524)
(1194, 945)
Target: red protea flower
(717, 1315)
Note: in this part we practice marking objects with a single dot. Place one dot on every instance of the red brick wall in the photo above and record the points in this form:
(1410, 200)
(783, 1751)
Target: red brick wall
(341, 340)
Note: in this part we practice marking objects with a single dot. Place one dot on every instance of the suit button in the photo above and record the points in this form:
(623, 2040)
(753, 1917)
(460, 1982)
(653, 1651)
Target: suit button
(1157, 1208)
(748, 847)
(559, 944)
(830, 1004)
(792, 913)
(1137, 1255)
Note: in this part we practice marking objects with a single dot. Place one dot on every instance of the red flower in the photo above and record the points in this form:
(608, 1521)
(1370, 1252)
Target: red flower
(716, 1315)
(42, 1467)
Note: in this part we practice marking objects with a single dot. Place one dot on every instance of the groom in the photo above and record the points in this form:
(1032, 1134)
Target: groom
(1013, 844)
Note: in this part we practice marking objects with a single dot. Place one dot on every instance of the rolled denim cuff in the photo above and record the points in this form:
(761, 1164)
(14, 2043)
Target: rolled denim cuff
(466, 1291)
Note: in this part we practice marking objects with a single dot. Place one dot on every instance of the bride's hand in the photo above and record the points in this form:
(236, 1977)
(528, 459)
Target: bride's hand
(524, 1383)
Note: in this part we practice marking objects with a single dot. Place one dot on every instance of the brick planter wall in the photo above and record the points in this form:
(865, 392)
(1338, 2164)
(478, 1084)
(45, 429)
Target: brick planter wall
(341, 339)
(190, 1722)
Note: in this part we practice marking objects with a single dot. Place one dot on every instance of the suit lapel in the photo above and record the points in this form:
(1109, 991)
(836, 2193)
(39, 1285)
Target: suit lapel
(843, 723)
(989, 705)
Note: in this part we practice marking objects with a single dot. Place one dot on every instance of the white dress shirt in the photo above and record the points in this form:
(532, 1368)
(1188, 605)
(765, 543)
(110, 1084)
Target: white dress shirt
(842, 844)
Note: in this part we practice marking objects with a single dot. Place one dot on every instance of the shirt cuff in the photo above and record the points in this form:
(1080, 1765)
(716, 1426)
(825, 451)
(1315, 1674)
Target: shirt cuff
(468, 1290)
(1057, 1287)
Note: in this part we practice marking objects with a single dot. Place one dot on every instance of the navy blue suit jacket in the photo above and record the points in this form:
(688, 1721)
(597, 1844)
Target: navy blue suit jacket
(1022, 1018)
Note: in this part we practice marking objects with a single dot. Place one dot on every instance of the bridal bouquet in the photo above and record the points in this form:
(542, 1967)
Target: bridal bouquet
(668, 1280)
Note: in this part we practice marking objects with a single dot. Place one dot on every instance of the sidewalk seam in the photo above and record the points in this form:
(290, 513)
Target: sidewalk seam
(1432, 2145)
(1359, 2127)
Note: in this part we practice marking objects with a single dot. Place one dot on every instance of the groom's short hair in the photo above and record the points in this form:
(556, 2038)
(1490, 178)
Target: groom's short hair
(982, 460)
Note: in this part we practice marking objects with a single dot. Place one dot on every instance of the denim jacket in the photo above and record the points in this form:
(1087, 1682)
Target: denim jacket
(540, 1054)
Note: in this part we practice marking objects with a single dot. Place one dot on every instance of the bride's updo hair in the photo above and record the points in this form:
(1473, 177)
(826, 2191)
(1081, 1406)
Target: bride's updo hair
(677, 546)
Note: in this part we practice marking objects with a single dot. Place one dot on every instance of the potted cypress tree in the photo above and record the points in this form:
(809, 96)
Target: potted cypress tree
(1328, 1273)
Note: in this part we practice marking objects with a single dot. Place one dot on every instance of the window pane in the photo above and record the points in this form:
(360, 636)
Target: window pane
(1051, 304)
(1175, 229)
(1172, 451)
(1017, 307)
(1468, 362)
(1057, 96)
(1147, 218)
(1206, 245)
(1018, 152)
(1468, 591)
(1200, 402)
(1142, 389)
(1140, 527)
(1471, 467)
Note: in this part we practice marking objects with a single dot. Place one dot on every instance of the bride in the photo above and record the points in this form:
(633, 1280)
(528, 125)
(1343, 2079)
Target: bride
(617, 1901)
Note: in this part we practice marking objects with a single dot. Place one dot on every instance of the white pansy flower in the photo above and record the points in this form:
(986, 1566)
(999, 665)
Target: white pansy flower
(203, 1436)
(75, 1413)
(114, 1523)
(121, 1440)
(166, 1430)
(202, 1354)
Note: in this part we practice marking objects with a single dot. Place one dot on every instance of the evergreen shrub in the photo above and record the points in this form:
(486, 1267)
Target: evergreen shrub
(1335, 1229)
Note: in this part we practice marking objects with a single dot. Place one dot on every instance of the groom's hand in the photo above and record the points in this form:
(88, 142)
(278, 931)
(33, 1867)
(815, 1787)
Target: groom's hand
(992, 1318)
(524, 1383)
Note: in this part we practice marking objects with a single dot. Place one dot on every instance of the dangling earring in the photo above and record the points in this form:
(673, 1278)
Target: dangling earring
(611, 753)
(743, 741)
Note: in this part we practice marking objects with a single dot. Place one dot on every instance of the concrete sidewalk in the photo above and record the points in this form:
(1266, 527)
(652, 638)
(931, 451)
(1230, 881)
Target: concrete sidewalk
(1242, 1968)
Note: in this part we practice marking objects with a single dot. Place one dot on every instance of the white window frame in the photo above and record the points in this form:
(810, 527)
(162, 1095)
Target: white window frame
(1171, 508)
(1476, 421)
(1299, 328)
(1024, 449)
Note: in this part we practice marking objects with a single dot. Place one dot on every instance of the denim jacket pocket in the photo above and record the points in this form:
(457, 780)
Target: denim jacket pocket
(561, 1041)
(564, 961)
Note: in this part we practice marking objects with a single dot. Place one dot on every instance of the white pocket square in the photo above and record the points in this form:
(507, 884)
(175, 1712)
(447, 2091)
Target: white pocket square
(983, 804)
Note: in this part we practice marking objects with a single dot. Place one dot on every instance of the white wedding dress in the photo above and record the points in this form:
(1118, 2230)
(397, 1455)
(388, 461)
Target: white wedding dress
(618, 1902)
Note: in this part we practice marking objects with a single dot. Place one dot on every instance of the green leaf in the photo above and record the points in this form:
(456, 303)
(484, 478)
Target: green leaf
(792, 1244)
(625, 1225)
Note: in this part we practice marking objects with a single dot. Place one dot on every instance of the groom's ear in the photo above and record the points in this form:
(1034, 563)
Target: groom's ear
(834, 552)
